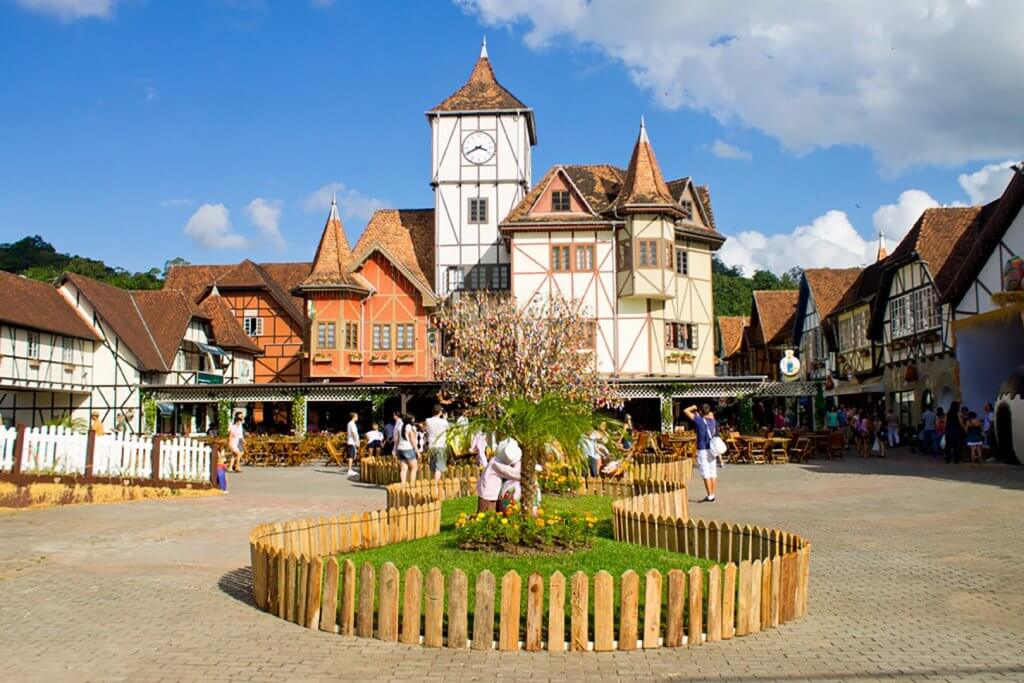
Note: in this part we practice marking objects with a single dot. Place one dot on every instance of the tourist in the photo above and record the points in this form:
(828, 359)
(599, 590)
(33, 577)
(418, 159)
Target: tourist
(955, 433)
(374, 439)
(388, 446)
(222, 474)
(975, 437)
(864, 429)
(988, 424)
(781, 422)
(928, 434)
(832, 419)
(626, 440)
(96, 424)
(352, 441)
(437, 442)
(588, 446)
(892, 429)
(397, 426)
(406, 451)
(500, 478)
(478, 447)
(236, 440)
(705, 427)
(879, 435)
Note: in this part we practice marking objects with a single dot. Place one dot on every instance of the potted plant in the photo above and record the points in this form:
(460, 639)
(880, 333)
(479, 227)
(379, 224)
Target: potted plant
(322, 358)
(405, 358)
(379, 359)
(355, 357)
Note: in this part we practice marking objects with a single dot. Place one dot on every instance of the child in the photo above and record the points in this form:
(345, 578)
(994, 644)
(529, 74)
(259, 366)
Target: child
(374, 438)
(222, 474)
(975, 437)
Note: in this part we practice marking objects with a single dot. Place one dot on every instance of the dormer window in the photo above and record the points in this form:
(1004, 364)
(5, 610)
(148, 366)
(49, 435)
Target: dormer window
(560, 200)
(687, 207)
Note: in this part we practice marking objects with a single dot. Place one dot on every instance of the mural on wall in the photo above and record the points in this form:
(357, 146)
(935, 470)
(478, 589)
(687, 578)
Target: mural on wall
(1010, 418)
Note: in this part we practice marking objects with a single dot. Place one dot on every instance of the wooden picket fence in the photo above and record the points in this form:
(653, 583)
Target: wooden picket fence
(386, 470)
(763, 583)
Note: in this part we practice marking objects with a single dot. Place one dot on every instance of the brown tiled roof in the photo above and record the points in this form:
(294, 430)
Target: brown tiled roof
(226, 331)
(829, 286)
(406, 237)
(119, 309)
(940, 238)
(731, 328)
(39, 306)
(776, 310)
(333, 259)
(279, 279)
(166, 314)
(704, 192)
(644, 186)
(482, 92)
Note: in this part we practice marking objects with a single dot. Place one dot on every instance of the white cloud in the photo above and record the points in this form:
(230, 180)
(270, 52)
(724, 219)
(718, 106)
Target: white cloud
(72, 10)
(210, 227)
(177, 202)
(987, 183)
(904, 79)
(830, 241)
(352, 204)
(895, 220)
(723, 150)
(266, 216)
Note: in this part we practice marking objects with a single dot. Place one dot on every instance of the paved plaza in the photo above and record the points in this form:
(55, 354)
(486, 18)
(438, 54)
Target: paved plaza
(915, 575)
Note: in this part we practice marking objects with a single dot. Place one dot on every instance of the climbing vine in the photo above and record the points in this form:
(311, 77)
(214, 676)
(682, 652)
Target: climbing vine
(299, 413)
(149, 414)
(223, 417)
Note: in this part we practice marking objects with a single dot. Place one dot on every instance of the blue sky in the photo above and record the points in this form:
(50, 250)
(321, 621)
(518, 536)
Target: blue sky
(122, 120)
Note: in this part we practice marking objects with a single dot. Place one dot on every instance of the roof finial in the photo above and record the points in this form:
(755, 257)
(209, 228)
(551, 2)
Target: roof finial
(643, 130)
(334, 208)
(483, 49)
(882, 251)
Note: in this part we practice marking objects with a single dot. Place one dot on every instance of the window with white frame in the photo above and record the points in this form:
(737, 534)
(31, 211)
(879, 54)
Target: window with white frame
(33, 345)
(67, 349)
(478, 210)
(405, 336)
(682, 261)
(381, 337)
(253, 325)
(680, 335)
(916, 311)
(455, 278)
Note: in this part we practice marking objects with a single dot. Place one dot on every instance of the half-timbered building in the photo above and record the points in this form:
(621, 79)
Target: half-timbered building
(729, 331)
(856, 378)
(770, 331)
(913, 318)
(634, 251)
(814, 337)
(46, 354)
(988, 302)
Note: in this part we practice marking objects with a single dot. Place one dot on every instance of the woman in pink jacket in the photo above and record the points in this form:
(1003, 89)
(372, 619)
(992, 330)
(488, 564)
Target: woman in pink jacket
(500, 474)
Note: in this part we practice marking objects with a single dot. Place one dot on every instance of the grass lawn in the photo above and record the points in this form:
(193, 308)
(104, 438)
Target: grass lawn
(604, 553)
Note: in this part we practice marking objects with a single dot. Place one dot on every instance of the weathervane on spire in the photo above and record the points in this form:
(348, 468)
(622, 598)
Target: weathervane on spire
(483, 49)
(882, 251)
(643, 130)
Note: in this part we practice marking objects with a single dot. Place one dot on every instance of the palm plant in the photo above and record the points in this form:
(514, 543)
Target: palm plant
(75, 424)
(536, 425)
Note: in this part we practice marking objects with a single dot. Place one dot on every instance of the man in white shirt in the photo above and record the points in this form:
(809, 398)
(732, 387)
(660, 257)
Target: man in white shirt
(352, 441)
(437, 442)
(397, 434)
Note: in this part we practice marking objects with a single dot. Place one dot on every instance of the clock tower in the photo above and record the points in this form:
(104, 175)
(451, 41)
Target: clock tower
(481, 139)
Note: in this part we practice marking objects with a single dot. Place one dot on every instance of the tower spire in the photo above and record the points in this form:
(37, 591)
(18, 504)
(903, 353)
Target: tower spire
(882, 251)
(643, 131)
(334, 209)
(483, 49)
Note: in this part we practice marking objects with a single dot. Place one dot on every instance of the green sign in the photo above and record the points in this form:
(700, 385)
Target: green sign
(210, 378)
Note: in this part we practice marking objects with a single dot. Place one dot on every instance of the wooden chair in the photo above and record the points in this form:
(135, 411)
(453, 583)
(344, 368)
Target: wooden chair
(333, 454)
(757, 450)
(835, 445)
(779, 450)
(803, 449)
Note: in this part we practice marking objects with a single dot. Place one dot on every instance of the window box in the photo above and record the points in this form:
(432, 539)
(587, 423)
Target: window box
(680, 357)
(34, 364)
(68, 367)
(322, 358)
(355, 358)
(405, 359)
(378, 359)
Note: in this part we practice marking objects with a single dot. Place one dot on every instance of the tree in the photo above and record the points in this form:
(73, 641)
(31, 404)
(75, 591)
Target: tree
(519, 369)
(36, 258)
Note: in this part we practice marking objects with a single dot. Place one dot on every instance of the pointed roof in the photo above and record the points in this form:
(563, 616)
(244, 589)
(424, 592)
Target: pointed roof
(227, 333)
(730, 329)
(773, 313)
(279, 279)
(644, 187)
(333, 259)
(882, 251)
(38, 305)
(405, 237)
(829, 287)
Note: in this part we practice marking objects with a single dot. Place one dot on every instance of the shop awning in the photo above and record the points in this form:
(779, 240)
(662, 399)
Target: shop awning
(210, 349)
(874, 385)
(165, 408)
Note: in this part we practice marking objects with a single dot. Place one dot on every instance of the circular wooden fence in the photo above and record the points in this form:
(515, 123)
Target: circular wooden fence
(759, 581)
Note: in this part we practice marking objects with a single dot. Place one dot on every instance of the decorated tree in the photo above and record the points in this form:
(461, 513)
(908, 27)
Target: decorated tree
(517, 369)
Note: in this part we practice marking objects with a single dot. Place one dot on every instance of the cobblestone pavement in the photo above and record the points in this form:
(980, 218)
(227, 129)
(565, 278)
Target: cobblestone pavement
(915, 575)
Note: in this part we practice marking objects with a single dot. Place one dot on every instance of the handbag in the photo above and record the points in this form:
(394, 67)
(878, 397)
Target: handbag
(718, 446)
(876, 447)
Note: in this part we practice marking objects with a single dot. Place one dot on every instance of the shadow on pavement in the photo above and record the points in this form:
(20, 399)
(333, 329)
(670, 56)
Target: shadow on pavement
(238, 584)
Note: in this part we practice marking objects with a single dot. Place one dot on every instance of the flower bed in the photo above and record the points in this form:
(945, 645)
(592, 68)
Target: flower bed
(560, 478)
(515, 531)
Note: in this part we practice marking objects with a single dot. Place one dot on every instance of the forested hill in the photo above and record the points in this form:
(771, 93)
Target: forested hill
(36, 258)
(733, 291)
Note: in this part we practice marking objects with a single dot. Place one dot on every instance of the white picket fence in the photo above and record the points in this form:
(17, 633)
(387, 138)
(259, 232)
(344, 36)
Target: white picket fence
(58, 450)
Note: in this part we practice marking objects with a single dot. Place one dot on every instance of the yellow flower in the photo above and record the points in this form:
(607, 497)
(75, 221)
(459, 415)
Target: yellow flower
(479, 515)
(540, 512)
(504, 520)
(540, 522)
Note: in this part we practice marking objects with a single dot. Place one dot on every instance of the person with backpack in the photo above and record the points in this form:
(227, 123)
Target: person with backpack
(706, 427)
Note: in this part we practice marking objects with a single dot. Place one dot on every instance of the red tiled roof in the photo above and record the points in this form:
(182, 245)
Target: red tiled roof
(226, 331)
(279, 279)
(406, 237)
(829, 286)
(333, 259)
(644, 186)
(482, 92)
(775, 311)
(731, 328)
(39, 306)
(166, 314)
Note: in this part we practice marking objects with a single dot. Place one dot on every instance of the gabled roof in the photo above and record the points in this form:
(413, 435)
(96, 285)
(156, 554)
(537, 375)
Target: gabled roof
(644, 187)
(226, 331)
(773, 314)
(277, 279)
(483, 92)
(333, 260)
(405, 237)
(731, 328)
(39, 306)
(829, 286)
(864, 289)
(166, 314)
(999, 218)
(121, 311)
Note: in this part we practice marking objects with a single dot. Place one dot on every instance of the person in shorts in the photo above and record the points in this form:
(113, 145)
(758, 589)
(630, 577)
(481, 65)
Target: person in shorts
(405, 449)
(352, 441)
(705, 427)
(437, 441)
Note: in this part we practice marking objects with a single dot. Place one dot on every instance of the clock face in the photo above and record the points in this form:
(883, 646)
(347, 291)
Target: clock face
(478, 147)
